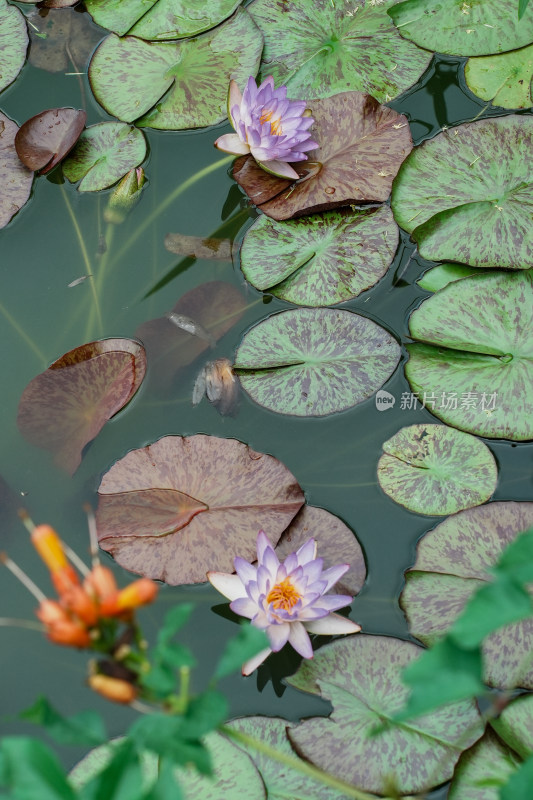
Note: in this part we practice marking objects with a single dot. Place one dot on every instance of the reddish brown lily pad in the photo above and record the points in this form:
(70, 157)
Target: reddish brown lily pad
(15, 178)
(67, 405)
(184, 505)
(207, 312)
(361, 147)
(45, 139)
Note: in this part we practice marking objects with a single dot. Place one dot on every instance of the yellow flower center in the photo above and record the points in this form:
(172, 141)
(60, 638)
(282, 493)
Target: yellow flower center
(283, 595)
(275, 126)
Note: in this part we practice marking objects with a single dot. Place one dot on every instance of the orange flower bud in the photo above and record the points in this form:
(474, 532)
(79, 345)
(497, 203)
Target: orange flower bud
(138, 593)
(100, 583)
(69, 633)
(50, 612)
(64, 579)
(114, 689)
(78, 602)
(48, 545)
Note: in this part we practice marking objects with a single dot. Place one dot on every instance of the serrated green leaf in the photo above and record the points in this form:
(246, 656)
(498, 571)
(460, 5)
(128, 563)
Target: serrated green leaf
(31, 770)
(174, 620)
(87, 727)
(121, 779)
(518, 787)
(247, 643)
(490, 608)
(522, 5)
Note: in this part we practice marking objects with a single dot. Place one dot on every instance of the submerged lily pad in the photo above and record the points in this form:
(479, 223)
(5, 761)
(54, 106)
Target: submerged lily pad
(322, 259)
(62, 41)
(319, 48)
(474, 358)
(15, 178)
(315, 361)
(464, 27)
(361, 677)
(505, 80)
(184, 505)
(361, 147)
(451, 563)
(197, 247)
(67, 405)
(437, 278)
(433, 469)
(336, 543)
(175, 85)
(44, 140)
(466, 195)
(13, 43)
(160, 19)
(104, 153)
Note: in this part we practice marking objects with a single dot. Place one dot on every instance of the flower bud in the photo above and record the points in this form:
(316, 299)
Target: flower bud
(100, 583)
(138, 593)
(78, 602)
(69, 633)
(64, 579)
(125, 196)
(50, 612)
(114, 689)
(48, 545)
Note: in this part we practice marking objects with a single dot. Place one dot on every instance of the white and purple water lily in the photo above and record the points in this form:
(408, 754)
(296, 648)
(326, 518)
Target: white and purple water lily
(270, 127)
(288, 601)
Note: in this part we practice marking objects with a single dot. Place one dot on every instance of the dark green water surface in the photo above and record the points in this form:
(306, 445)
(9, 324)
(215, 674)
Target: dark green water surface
(333, 458)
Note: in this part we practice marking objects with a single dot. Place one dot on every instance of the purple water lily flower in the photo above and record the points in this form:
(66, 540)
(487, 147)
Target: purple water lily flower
(288, 601)
(270, 127)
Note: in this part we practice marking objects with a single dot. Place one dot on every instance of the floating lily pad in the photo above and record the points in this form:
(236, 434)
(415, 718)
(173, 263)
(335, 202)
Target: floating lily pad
(314, 361)
(437, 278)
(13, 43)
(67, 405)
(184, 505)
(282, 783)
(44, 140)
(160, 19)
(104, 153)
(361, 677)
(433, 469)
(505, 80)
(185, 84)
(15, 178)
(466, 195)
(322, 259)
(361, 147)
(64, 41)
(337, 544)
(206, 312)
(319, 48)
(475, 362)
(483, 770)
(464, 27)
(451, 563)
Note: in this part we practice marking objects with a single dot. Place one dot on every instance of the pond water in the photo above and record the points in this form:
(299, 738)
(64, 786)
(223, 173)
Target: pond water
(333, 458)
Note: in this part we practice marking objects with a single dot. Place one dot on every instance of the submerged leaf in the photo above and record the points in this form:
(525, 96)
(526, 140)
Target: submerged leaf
(433, 469)
(505, 80)
(13, 43)
(361, 147)
(67, 405)
(217, 380)
(62, 41)
(315, 361)
(195, 246)
(15, 178)
(104, 153)
(231, 493)
(45, 139)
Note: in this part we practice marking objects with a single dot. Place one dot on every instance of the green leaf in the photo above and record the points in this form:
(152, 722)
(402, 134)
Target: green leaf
(515, 725)
(167, 784)
(161, 679)
(463, 28)
(517, 559)
(160, 19)
(522, 5)
(465, 180)
(475, 369)
(13, 43)
(505, 80)
(362, 678)
(175, 85)
(173, 621)
(322, 259)
(518, 787)
(205, 713)
(315, 361)
(319, 48)
(31, 770)
(489, 609)
(87, 727)
(247, 643)
(104, 153)
(121, 779)
(438, 277)
(432, 469)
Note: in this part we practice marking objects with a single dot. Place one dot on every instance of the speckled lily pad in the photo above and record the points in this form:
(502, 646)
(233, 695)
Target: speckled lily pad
(505, 80)
(103, 154)
(438, 277)
(15, 179)
(13, 43)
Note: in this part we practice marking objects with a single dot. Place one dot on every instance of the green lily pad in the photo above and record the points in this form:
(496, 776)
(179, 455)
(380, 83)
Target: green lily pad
(322, 259)
(361, 677)
(319, 48)
(15, 179)
(452, 561)
(473, 362)
(437, 278)
(13, 43)
(464, 27)
(505, 80)
(467, 194)
(314, 361)
(433, 469)
(160, 19)
(361, 145)
(175, 85)
(515, 725)
(104, 153)
(483, 770)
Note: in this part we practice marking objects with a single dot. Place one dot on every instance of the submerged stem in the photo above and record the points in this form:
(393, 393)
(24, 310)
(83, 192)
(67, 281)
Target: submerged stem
(9, 622)
(22, 333)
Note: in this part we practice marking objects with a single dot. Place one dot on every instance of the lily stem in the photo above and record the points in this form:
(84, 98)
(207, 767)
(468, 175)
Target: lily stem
(99, 280)
(297, 764)
(22, 333)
